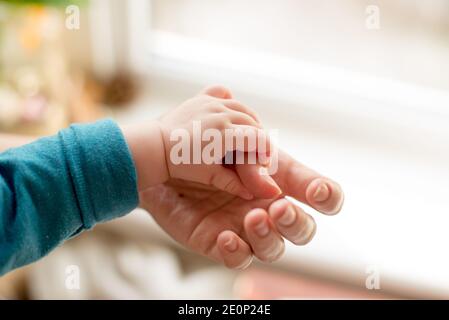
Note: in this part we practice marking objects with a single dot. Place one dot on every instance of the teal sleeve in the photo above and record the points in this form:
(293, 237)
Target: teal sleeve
(56, 187)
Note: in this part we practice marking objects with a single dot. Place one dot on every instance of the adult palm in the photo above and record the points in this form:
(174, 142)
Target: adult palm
(231, 230)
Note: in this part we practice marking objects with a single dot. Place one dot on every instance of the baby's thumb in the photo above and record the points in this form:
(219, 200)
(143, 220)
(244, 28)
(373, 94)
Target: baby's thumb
(256, 178)
(227, 180)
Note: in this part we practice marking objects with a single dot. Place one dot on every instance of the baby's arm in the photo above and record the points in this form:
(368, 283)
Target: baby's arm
(56, 187)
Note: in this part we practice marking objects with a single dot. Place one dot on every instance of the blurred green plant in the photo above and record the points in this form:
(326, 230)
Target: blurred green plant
(54, 3)
(10, 8)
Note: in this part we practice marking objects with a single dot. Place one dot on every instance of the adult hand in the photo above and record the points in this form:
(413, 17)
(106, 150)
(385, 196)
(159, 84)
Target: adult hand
(232, 230)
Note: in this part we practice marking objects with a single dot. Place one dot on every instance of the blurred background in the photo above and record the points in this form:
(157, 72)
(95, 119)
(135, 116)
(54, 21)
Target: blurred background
(358, 89)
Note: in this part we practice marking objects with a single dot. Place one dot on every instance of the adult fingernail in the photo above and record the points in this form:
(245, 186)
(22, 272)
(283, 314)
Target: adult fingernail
(288, 218)
(262, 229)
(246, 263)
(306, 234)
(321, 193)
(231, 245)
(275, 251)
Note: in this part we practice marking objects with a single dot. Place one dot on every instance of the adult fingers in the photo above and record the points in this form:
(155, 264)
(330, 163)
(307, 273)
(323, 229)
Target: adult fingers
(265, 241)
(235, 252)
(297, 181)
(292, 222)
(308, 186)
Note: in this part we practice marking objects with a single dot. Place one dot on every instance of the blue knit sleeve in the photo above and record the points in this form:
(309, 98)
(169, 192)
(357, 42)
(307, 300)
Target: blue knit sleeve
(56, 187)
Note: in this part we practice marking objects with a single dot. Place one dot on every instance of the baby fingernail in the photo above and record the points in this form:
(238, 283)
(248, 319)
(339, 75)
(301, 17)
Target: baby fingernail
(263, 171)
(288, 217)
(264, 160)
(231, 245)
(264, 174)
(321, 193)
(262, 229)
(247, 195)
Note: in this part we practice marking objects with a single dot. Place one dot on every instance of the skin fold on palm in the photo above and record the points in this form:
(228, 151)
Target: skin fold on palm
(231, 230)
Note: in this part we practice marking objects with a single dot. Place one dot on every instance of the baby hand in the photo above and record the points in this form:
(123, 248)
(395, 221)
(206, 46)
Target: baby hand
(190, 142)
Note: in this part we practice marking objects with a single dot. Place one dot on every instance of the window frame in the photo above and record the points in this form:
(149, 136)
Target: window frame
(193, 62)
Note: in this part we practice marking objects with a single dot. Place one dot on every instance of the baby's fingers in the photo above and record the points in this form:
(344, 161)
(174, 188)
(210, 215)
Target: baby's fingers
(217, 91)
(237, 106)
(256, 178)
(245, 138)
(228, 180)
(237, 117)
(235, 252)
